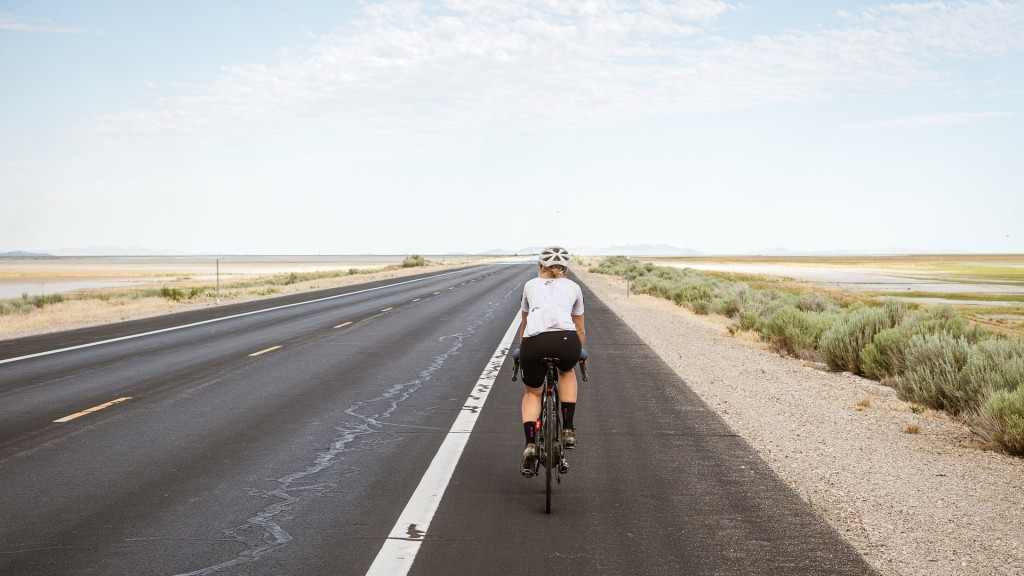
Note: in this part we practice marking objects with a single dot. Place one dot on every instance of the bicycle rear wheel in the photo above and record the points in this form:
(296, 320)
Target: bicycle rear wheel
(550, 459)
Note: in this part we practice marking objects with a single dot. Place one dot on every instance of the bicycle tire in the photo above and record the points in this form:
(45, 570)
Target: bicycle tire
(549, 448)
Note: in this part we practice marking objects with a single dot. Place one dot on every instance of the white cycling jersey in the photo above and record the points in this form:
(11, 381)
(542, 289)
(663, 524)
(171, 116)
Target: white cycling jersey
(551, 303)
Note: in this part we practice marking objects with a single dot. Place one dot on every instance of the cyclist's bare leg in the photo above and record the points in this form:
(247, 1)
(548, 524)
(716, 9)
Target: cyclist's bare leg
(566, 387)
(531, 412)
(531, 404)
(567, 396)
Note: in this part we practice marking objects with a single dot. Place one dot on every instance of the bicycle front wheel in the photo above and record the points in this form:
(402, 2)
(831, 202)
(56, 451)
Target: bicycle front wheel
(550, 459)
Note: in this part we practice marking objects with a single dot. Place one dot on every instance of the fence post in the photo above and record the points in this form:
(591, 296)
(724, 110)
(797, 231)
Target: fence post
(627, 276)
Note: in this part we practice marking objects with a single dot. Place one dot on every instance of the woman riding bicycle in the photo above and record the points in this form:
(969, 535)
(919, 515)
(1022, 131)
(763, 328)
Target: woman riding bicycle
(552, 327)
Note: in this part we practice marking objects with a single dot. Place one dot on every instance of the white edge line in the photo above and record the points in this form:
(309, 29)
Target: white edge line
(212, 320)
(399, 551)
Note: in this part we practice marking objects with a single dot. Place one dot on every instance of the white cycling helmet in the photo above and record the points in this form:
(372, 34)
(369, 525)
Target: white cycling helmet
(554, 256)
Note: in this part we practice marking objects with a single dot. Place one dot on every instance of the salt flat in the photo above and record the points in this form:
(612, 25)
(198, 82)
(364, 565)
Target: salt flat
(38, 276)
(955, 275)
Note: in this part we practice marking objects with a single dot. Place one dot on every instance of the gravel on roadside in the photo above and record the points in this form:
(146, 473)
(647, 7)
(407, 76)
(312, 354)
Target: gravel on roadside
(914, 493)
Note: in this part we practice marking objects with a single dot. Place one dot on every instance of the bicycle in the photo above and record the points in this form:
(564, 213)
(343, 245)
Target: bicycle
(550, 451)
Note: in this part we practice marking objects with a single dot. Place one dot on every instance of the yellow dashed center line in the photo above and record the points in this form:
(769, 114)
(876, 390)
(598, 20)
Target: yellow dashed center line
(272, 348)
(93, 409)
(343, 325)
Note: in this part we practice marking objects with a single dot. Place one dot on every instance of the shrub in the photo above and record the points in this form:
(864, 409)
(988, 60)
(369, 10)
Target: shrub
(28, 303)
(40, 301)
(413, 261)
(895, 311)
(841, 344)
(933, 376)
(702, 307)
(994, 364)
(728, 307)
(617, 265)
(1000, 421)
(886, 356)
(944, 319)
(816, 303)
(172, 294)
(15, 307)
(794, 331)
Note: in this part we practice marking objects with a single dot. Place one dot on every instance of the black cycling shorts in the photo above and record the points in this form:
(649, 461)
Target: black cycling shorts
(564, 345)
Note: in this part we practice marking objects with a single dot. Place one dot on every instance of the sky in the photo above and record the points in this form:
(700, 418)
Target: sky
(396, 127)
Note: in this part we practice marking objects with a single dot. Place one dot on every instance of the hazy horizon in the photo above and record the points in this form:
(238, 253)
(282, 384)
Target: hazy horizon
(626, 250)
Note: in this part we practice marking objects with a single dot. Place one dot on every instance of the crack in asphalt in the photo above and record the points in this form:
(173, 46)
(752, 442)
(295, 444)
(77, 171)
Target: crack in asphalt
(262, 534)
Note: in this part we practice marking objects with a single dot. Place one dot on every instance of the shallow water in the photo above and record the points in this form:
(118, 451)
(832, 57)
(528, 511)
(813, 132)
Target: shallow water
(38, 276)
(869, 280)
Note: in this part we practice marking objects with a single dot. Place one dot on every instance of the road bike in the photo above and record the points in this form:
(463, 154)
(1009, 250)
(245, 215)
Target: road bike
(550, 452)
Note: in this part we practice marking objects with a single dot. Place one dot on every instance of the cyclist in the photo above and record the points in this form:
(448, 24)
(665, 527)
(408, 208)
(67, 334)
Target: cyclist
(552, 327)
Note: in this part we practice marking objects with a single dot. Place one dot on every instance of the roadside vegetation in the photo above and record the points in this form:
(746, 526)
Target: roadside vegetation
(933, 356)
(170, 290)
(414, 260)
(35, 315)
(28, 303)
(252, 286)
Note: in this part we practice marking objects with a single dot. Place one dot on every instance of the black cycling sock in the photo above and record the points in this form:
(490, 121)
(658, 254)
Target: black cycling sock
(531, 432)
(568, 411)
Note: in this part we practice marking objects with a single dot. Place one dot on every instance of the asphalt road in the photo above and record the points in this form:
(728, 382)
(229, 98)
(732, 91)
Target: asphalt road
(305, 458)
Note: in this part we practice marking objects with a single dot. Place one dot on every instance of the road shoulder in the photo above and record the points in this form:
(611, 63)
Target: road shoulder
(932, 503)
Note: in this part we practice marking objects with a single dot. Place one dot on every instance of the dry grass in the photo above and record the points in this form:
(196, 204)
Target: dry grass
(1007, 264)
(983, 272)
(912, 429)
(864, 404)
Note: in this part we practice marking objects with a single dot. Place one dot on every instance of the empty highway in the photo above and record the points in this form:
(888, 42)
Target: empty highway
(372, 429)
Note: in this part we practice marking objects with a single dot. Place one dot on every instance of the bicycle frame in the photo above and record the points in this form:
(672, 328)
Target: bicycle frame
(550, 452)
(549, 441)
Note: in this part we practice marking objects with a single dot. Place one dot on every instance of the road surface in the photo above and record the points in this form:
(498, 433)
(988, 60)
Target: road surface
(293, 436)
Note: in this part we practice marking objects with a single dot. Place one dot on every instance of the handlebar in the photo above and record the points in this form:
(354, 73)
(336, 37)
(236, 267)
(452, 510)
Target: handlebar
(582, 364)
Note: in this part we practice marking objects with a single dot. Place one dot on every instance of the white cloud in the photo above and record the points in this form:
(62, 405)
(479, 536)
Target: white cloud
(544, 64)
(964, 29)
(14, 23)
(943, 119)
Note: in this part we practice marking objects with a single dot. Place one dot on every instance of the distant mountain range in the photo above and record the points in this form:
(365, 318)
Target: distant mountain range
(94, 251)
(638, 250)
(616, 250)
(18, 254)
(624, 250)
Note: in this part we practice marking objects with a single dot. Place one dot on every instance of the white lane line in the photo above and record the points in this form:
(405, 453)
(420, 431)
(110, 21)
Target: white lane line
(388, 309)
(343, 324)
(93, 409)
(399, 551)
(264, 351)
(212, 320)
